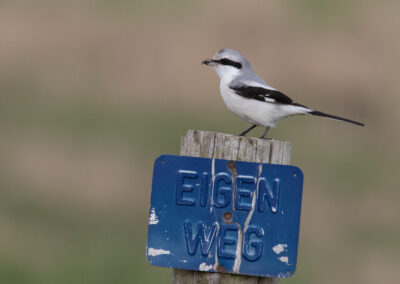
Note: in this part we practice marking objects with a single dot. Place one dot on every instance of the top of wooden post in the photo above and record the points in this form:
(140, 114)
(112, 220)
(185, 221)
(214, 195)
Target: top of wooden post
(208, 144)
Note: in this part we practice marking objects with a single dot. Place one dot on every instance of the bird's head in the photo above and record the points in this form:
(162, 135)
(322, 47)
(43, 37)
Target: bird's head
(227, 62)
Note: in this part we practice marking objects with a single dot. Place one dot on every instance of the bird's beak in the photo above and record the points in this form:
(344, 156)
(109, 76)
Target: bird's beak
(209, 62)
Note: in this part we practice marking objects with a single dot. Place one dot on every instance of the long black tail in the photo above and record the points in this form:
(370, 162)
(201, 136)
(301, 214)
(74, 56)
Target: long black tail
(318, 113)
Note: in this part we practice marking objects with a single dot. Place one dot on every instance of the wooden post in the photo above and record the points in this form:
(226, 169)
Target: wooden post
(208, 144)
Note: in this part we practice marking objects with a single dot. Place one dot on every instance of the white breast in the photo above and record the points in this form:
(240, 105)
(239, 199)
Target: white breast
(257, 112)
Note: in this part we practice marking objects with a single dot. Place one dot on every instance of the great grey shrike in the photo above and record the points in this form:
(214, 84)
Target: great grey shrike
(251, 98)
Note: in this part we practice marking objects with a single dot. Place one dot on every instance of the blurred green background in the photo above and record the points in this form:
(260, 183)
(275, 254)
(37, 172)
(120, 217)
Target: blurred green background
(91, 92)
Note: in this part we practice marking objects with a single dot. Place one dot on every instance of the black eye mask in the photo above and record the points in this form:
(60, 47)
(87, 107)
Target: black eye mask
(226, 61)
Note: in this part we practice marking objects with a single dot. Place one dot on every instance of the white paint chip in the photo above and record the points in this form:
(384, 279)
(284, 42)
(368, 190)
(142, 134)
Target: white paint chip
(156, 252)
(279, 248)
(212, 183)
(204, 267)
(238, 257)
(153, 220)
(284, 259)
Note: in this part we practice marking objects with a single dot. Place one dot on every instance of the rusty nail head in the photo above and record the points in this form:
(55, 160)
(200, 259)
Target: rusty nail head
(231, 165)
(228, 216)
(220, 268)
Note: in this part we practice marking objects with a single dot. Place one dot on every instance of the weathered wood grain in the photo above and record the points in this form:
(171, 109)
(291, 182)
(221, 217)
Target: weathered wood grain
(209, 144)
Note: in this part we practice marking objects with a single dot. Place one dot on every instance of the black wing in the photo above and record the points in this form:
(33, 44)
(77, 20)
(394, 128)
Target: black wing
(262, 94)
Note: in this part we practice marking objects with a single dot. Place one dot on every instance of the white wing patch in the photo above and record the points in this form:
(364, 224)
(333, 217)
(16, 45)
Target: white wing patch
(269, 100)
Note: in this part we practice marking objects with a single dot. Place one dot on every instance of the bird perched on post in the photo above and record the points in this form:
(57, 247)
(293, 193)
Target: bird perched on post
(251, 98)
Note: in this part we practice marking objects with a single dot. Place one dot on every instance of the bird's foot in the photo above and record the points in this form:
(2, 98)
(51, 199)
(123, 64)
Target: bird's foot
(266, 138)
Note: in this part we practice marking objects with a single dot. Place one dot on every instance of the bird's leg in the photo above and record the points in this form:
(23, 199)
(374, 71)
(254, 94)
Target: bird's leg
(265, 133)
(248, 130)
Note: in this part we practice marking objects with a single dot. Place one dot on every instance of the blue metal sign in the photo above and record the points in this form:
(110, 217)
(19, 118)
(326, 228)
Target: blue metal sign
(225, 216)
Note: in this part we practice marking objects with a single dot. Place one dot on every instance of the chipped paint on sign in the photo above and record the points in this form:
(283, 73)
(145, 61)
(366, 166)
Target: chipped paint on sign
(279, 248)
(238, 257)
(153, 220)
(284, 259)
(204, 267)
(156, 252)
(212, 182)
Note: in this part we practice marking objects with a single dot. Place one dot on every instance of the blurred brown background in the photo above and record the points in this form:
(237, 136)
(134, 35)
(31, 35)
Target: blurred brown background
(93, 91)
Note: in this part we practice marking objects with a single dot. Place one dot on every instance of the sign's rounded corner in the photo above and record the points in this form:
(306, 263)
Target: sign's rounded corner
(291, 272)
(161, 158)
(298, 172)
(148, 257)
